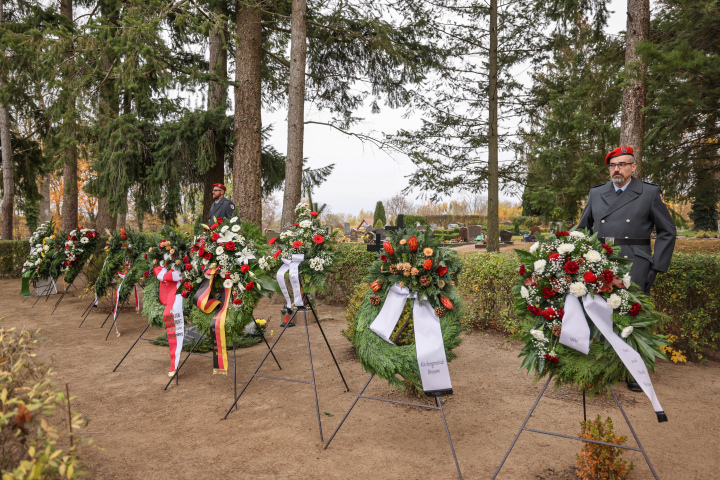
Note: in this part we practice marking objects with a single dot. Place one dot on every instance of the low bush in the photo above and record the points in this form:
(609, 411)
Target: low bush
(13, 254)
(596, 461)
(352, 261)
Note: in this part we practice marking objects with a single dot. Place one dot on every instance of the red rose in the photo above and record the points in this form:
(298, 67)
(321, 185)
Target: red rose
(551, 359)
(522, 270)
(146, 256)
(608, 276)
(187, 285)
(607, 248)
(295, 225)
(237, 301)
(314, 214)
(548, 292)
(188, 267)
(186, 259)
(220, 220)
(441, 271)
(89, 235)
(318, 239)
(244, 268)
(272, 241)
(230, 246)
(227, 276)
(277, 254)
(147, 274)
(560, 313)
(563, 234)
(215, 237)
(635, 308)
(548, 313)
(249, 286)
(589, 277)
(534, 310)
(297, 244)
(554, 256)
(571, 267)
(207, 256)
(201, 252)
(185, 294)
(383, 258)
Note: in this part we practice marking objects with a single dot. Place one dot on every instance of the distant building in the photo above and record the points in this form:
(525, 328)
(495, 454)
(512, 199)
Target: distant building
(368, 222)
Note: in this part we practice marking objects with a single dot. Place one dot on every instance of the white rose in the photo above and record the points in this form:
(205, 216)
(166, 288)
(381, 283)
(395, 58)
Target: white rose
(534, 247)
(627, 280)
(224, 229)
(524, 292)
(219, 251)
(46, 248)
(626, 332)
(539, 266)
(593, 256)
(578, 289)
(236, 228)
(577, 234)
(565, 248)
(614, 301)
(538, 334)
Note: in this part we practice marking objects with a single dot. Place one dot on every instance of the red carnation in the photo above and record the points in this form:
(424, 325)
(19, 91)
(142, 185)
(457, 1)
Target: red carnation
(318, 239)
(227, 276)
(441, 271)
(185, 294)
(551, 359)
(213, 226)
(187, 285)
(237, 301)
(555, 256)
(314, 214)
(548, 313)
(563, 234)
(201, 252)
(295, 225)
(186, 259)
(522, 270)
(147, 274)
(249, 286)
(589, 277)
(534, 310)
(272, 241)
(571, 267)
(230, 246)
(207, 256)
(188, 267)
(215, 237)
(383, 258)
(277, 254)
(635, 308)
(220, 220)
(548, 292)
(608, 276)
(89, 235)
(297, 244)
(607, 248)
(146, 256)
(244, 268)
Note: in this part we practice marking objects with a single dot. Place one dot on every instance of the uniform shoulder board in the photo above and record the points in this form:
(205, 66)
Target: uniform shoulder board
(650, 183)
(598, 185)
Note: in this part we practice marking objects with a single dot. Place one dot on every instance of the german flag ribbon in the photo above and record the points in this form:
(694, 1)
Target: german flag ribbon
(173, 313)
(207, 304)
(202, 297)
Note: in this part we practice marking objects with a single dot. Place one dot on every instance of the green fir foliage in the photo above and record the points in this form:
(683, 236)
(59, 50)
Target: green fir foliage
(379, 215)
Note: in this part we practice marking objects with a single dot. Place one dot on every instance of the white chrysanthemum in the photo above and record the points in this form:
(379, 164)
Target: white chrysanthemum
(224, 229)
(84, 240)
(46, 248)
(534, 247)
(233, 220)
(614, 301)
(593, 256)
(539, 266)
(167, 256)
(538, 334)
(524, 292)
(263, 263)
(306, 224)
(235, 228)
(565, 248)
(627, 280)
(219, 251)
(39, 245)
(578, 289)
(577, 234)
(626, 332)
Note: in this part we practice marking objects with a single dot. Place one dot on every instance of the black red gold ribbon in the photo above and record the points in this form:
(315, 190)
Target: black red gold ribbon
(207, 304)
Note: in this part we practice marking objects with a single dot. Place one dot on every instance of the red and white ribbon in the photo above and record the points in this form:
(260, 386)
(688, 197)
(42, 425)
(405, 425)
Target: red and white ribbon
(173, 313)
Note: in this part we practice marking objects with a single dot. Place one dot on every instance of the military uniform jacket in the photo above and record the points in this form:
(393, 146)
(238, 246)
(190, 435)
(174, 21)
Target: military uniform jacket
(224, 208)
(632, 214)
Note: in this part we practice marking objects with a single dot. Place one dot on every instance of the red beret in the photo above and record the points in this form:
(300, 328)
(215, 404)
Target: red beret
(220, 185)
(619, 152)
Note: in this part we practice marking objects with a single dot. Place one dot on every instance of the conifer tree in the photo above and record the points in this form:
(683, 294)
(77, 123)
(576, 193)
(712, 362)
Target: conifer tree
(379, 215)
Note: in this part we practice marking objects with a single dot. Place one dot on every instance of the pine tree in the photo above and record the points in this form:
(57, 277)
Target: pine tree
(379, 215)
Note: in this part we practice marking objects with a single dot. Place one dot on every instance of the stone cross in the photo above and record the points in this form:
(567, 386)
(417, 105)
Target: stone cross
(377, 246)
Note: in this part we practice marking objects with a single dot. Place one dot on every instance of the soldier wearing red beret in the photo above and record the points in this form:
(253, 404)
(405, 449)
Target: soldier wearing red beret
(626, 211)
(221, 207)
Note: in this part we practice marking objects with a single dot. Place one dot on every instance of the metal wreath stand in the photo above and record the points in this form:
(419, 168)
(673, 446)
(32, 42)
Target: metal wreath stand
(438, 405)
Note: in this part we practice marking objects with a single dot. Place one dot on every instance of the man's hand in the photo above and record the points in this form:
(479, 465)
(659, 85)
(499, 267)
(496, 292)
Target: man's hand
(651, 276)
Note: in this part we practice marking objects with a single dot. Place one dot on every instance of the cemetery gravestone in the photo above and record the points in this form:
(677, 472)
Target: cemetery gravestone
(474, 231)
(347, 229)
(506, 236)
(464, 234)
(353, 235)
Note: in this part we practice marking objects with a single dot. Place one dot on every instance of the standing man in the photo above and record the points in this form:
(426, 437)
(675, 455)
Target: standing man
(626, 210)
(221, 207)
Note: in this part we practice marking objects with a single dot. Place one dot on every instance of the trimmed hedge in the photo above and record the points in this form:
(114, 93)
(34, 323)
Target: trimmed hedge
(13, 254)
(352, 262)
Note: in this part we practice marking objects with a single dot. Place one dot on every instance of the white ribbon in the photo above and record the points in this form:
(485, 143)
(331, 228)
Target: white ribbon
(429, 345)
(292, 267)
(178, 317)
(575, 334)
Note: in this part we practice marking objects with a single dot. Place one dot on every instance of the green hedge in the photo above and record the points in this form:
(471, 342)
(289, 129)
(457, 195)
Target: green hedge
(352, 261)
(13, 254)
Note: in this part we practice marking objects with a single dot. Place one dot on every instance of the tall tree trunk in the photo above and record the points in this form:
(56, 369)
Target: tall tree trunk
(121, 218)
(632, 127)
(45, 212)
(70, 191)
(493, 236)
(105, 220)
(247, 173)
(6, 231)
(217, 97)
(296, 112)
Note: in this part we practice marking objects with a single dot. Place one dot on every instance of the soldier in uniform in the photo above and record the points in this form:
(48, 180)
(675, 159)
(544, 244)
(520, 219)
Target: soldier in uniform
(627, 210)
(221, 207)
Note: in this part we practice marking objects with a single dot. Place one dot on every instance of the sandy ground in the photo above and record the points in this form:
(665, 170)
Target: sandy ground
(146, 432)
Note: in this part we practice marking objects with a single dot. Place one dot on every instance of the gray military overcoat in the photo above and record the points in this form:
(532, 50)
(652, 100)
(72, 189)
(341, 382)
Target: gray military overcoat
(633, 214)
(224, 208)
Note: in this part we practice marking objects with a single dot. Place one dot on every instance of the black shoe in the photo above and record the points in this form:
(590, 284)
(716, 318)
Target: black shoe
(633, 386)
(282, 325)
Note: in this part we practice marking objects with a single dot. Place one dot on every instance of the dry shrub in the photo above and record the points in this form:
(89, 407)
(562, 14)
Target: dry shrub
(601, 462)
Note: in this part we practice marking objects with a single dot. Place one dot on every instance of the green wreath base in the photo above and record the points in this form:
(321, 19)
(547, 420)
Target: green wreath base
(387, 361)
(110, 268)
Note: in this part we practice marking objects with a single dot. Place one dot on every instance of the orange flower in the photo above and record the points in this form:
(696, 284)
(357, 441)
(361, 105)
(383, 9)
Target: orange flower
(428, 252)
(447, 303)
(413, 244)
(387, 246)
(428, 263)
(403, 241)
(375, 286)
